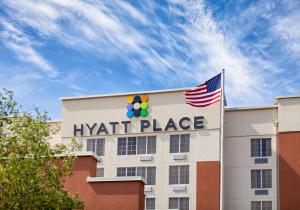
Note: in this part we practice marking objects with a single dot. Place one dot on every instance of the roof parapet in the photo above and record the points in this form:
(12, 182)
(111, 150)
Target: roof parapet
(125, 94)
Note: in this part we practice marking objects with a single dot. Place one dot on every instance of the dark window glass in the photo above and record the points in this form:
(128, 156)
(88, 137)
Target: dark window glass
(266, 147)
(179, 203)
(174, 144)
(185, 143)
(255, 147)
(184, 204)
(100, 172)
(255, 205)
(141, 171)
(261, 147)
(131, 146)
(184, 174)
(151, 145)
(121, 171)
(131, 171)
(261, 205)
(266, 178)
(121, 146)
(255, 178)
(179, 174)
(173, 174)
(151, 175)
(90, 145)
(150, 203)
(142, 142)
(100, 145)
(266, 205)
(173, 203)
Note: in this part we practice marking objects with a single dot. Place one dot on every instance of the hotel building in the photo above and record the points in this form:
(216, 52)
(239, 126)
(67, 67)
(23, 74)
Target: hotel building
(176, 148)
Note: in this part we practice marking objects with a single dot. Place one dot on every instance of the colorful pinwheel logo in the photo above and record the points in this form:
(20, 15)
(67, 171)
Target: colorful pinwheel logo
(137, 106)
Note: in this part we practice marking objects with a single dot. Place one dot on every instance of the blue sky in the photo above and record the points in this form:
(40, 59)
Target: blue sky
(52, 49)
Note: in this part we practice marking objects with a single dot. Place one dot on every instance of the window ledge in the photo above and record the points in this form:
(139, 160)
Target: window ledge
(146, 157)
(179, 156)
(179, 188)
(81, 154)
(115, 179)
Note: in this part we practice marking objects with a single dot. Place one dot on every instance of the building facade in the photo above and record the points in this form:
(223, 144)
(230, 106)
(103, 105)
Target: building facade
(176, 148)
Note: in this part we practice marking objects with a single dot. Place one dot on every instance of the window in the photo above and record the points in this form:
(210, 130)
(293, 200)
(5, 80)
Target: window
(122, 146)
(178, 174)
(100, 172)
(179, 203)
(142, 145)
(148, 173)
(261, 205)
(131, 146)
(121, 171)
(261, 178)
(150, 203)
(96, 145)
(137, 145)
(180, 143)
(261, 147)
(151, 145)
(131, 171)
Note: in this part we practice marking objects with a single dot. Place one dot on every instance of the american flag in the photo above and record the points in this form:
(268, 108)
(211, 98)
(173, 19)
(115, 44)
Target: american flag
(206, 93)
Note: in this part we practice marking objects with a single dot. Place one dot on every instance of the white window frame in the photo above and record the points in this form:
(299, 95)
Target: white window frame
(136, 171)
(261, 147)
(146, 203)
(179, 174)
(94, 149)
(261, 204)
(179, 201)
(179, 143)
(261, 179)
(101, 171)
(136, 141)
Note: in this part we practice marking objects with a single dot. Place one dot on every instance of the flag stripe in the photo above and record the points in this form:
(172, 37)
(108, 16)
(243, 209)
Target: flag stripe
(204, 104)
(187, 93)
(205, 94)
(198, 89)
(197, 101)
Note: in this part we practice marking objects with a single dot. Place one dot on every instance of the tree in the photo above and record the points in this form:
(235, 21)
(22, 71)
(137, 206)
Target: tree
(31, 172)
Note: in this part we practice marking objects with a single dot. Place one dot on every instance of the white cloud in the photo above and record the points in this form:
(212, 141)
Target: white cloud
(215, 51)
(133, 12)
(187, 45)
(14, 39)
(288, 28)
(18, 79)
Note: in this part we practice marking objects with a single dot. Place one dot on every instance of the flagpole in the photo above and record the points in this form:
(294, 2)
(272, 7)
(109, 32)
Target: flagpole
(222, 142)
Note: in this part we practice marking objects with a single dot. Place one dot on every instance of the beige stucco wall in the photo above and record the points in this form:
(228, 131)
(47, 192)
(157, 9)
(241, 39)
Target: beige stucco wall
(242, 122)
(162, 106)
(288, 114)
(204, 143)
(240, 126)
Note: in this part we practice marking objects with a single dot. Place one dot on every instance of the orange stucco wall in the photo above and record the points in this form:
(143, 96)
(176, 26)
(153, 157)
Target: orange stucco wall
(208, 185)
(289, 170)
(113, 195)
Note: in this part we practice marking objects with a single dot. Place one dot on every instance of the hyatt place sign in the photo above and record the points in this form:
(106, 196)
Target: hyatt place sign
(184, 123)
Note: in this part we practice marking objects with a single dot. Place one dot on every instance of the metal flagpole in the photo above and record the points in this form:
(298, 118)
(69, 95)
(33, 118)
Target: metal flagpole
(222, 142)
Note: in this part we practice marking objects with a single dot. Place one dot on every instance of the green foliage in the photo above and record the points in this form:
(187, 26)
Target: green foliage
(31, 172)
